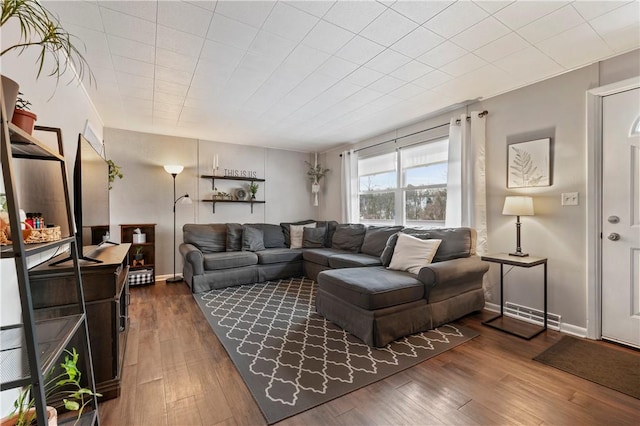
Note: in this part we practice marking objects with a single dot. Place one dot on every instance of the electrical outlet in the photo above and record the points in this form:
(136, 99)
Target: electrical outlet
(569, 198)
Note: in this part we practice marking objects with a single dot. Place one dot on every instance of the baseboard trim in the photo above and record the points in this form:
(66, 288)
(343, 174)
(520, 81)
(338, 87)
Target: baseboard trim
(563, 327)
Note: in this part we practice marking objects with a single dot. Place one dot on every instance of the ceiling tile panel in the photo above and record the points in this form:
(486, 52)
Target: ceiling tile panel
(131, 49)
(167, 92)
(418, 42)
(269, 44)
(593, 9)
(289, 22)
(463, 65)
(407, 91)
(442, 54)
(353, 15)
(624, 39)
(552, 24)
(205, 4)
(126, 80)
(131, 66)
(433, 79)
(388, 61)
(617, 19)
(359, 50)
(85, 37)
(306, 59)
(231, 32)
(364, 76)
(179, 41)
(528, 64)
(184, 17)
(455, 19)
(173, 75)
(411, 71)
(139, 93)
(130, 27)
(141, 9)
(252, 13)
(83, 14)
(575, 47)
(316, 8)
(213, 51)
(327, 37)
(520, 13)
(420, 11)
(502, 47)
(492, 6)
(161, 106)
(482, 33)
(176, 61)
(337, 67)
(388, 28)
(386, 84)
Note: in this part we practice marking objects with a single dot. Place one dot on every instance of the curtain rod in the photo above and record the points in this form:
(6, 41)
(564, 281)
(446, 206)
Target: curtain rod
(480, 114)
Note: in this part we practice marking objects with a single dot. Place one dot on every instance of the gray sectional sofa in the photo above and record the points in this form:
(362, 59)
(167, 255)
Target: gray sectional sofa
(356, 289)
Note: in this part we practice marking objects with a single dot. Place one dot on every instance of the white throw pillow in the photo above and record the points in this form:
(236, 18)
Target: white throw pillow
(412, 253)
(296, 233)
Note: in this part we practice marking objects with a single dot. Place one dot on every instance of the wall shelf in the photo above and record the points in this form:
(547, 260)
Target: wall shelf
(231, 178)
(252, 202)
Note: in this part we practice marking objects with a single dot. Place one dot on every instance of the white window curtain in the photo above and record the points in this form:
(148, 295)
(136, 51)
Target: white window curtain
(466, 183)
(350, 201)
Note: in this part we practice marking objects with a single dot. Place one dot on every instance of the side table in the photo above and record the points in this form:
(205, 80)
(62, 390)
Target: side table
(511, 325)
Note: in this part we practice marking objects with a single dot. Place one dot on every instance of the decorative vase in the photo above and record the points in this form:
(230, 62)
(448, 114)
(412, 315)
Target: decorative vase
(10, 90)
(52, 415)
(24, 119)
(315, 188)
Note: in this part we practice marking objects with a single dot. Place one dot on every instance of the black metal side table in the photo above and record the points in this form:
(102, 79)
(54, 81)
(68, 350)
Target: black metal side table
(511, 325)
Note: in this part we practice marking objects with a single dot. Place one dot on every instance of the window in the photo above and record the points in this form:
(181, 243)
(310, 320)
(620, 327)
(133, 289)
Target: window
(405, 187)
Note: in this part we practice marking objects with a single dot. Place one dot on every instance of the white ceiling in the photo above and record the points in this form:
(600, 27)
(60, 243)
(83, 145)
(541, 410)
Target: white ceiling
(309, 75)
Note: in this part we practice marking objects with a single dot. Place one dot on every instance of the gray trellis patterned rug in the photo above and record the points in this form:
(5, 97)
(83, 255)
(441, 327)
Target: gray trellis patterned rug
(292, 359)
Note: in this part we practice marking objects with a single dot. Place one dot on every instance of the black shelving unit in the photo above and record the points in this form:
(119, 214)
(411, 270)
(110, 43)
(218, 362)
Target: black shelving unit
(234, 178)
(33, 347)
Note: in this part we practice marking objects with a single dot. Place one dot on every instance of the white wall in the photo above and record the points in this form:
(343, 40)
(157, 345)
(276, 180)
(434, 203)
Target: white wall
(145, 194)
(553, 108)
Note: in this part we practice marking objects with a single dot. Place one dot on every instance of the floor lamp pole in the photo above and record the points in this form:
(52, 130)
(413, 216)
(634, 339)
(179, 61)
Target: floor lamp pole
(174, 279)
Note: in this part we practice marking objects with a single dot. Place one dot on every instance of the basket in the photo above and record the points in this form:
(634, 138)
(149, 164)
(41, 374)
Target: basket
(32, 235)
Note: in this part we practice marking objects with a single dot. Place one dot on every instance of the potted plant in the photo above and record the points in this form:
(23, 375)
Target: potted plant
(138, 256)
(22, 117)
(40, 28)
(316, 173)
(253, 189)
(64, 386)
(114, 172)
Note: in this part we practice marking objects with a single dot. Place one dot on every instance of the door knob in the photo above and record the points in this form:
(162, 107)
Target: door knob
(614, 236)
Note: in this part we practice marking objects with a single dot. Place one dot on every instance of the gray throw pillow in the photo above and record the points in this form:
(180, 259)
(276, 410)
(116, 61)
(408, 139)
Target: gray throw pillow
(234, 237)
(348, 237)
(252, 239)
(286, 230)
(313, 237)
(387, 253)
(376, 238)
(209, 238)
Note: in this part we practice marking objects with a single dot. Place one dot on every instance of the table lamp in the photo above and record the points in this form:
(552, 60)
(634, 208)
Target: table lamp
(518, 206)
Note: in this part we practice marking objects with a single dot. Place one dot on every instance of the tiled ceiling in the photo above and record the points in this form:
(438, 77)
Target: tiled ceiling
(309, 75)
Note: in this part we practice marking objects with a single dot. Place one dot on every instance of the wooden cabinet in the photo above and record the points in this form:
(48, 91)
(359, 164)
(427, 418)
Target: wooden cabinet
(142, 255)
(233, 200)
(106, 292)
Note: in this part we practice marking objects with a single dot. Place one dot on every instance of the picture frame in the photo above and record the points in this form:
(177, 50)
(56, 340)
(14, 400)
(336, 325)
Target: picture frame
(529, 164)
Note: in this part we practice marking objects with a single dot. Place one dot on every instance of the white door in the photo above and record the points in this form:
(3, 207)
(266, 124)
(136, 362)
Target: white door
(621, 218)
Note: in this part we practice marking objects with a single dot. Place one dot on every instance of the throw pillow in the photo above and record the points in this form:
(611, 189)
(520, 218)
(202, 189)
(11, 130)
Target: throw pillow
(286, 230)
(296, 234)
(387, 253)
(349, 237)
(313, 237)
(234, 237)
(376, 238)
(411, 253)
(252, 239)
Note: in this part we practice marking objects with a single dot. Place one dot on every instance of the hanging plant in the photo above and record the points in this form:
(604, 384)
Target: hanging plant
(114, 171)
(316, 172)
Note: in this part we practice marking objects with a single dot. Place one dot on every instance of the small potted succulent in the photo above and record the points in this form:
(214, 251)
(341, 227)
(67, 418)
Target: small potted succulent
(22, 117)
(138, 256)
(253, 189)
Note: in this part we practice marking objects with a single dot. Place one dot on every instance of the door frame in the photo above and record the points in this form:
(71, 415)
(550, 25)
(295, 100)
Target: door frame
(594, 200)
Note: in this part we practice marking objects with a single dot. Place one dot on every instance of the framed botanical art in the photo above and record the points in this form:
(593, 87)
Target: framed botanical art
(529, 164)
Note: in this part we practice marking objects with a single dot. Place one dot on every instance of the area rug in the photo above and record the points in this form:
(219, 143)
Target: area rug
(292, 359)
(608, 366)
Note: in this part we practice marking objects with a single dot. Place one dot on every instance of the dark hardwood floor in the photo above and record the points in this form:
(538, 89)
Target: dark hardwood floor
(177, 373)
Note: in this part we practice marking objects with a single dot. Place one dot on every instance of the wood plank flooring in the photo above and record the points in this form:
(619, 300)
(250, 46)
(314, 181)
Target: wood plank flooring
(177, 373)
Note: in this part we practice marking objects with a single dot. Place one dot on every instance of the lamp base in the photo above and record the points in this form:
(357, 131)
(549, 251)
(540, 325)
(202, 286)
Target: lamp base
(174, 280)
(519, 254)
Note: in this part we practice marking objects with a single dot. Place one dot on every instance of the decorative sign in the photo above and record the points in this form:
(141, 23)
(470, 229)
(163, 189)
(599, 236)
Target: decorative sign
(240, 173)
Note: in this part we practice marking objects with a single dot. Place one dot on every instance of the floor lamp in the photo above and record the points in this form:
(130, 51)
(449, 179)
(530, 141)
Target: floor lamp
(175, 170)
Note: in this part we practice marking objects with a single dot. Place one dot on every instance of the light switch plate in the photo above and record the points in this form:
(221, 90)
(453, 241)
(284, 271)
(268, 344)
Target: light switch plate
(569, 198)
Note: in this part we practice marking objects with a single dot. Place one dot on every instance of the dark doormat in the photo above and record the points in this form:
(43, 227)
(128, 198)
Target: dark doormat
(608, 366)
(292, 359)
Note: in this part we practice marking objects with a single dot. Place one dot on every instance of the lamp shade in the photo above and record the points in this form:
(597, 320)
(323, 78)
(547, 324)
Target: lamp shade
(518, 206)
(185, 199)
(173, 169)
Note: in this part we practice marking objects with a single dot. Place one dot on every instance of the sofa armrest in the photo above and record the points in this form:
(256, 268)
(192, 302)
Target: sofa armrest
(193, 256)
(452, 271)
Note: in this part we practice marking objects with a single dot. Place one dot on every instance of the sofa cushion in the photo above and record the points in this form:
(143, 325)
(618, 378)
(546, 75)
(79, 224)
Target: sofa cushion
(387, 253)
(228, 260)
(252, 238)
(456, 242)
(287, 232)
(353, 260)
(330, 225)
(320, 255)
(348, 237)
(375, 239)
(296, 234)
(208, 238)
(273, 235)
(411, 253)
(234, 237)
(371, 288)
(278, 255)
(314, 237)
